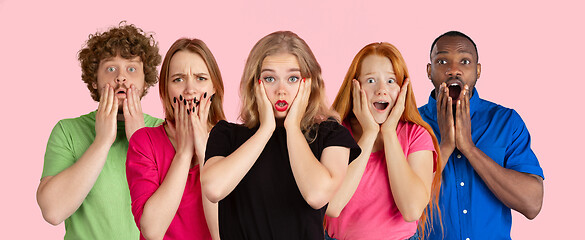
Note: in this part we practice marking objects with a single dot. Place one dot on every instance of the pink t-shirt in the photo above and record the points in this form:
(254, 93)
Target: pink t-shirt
(150, 154)
(371, 213)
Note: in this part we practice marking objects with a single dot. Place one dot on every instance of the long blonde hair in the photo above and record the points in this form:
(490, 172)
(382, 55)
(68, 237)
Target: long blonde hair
(343, 104)
(276, 43)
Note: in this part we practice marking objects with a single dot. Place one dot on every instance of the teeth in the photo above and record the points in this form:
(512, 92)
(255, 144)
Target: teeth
(281, 104)
(453, 84)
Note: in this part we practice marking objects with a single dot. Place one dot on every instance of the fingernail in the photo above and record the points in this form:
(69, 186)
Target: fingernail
(211, 98)
(466, 87)
(180, 97)
(193, 109)
(205, 95)
(304, 79)
(185, 101)
(259, 81)
(188, 112)
(174, 99)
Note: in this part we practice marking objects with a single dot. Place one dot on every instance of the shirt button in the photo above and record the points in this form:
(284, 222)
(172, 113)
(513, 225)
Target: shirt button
(464, 211)
(458, 155)
(462, 184)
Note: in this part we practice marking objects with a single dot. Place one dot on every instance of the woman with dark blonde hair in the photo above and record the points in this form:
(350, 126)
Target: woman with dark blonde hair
(163, 164)
(388, 187)
(274, 174)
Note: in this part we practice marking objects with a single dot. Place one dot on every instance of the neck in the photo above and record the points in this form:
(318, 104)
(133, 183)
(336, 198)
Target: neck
(357, 131)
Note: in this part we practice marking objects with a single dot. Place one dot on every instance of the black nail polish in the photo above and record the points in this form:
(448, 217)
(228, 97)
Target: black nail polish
(180, 97)
(193, 109)
(205, 95)
(194, 100)
(188, 112)
(211, 98)
(185, 101)
(174, 100)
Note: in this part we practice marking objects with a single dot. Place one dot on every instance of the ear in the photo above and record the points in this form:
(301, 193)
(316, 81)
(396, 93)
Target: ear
(94, 85)
(478, 70)
(429, 70)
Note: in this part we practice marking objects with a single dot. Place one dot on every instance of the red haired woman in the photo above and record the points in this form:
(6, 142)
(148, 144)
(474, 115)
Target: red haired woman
(388, 187)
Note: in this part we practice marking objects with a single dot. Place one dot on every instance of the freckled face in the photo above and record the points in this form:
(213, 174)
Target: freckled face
(378, 80)
(188, 77)
(454, 62)
(281, 75)
(120, 73)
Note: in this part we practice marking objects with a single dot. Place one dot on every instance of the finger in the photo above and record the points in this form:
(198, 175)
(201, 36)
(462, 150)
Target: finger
(114, 111)
(355, 95)
(109, 99)
(307, 88)
(130, 101)
(176, 109)
(364, 101)
(204, 108)
(137, 104)
(127, 114)
(467, 98)
(403, 91)
(439, 97)
(450, 111)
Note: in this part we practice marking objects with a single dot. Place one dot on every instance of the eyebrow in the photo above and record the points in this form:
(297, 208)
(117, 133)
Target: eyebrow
(446, 52)
(370, 73)
(183, 74)
(272, 70)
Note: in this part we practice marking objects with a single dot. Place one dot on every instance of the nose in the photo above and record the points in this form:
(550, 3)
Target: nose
(382, 89)
(190, 86)
(281, 88)
(121, 77)
(453, 70)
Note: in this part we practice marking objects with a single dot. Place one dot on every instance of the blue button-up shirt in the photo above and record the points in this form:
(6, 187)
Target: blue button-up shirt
(469, 209)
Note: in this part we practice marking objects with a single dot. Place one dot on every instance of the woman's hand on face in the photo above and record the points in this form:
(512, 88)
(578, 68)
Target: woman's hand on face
(199, 113)
(392, 121)
(183, 128)
(264, 107)
(299, 105)
(106, 116)
(362, 111)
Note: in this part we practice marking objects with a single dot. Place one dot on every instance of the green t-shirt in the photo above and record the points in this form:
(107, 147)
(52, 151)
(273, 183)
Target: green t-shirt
(106, 212)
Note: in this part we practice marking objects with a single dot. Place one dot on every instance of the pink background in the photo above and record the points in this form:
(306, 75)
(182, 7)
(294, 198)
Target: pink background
(531, 53)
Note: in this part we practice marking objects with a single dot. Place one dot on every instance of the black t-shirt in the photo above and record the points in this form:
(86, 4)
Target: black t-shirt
(267, 203)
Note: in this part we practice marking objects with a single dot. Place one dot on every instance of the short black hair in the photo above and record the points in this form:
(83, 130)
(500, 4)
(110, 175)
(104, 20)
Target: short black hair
(455, 34)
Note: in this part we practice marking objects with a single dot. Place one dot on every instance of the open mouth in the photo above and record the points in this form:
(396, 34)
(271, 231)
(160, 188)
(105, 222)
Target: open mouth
(281, 105)
(381, 105)
(120, 91)
(454, 91)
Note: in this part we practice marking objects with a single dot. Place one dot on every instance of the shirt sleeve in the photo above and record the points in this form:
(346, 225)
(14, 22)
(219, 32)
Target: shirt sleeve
(417, 138)
(141, 172)
(519, 156)
(337, 135)
(59, 154)
(218, 143)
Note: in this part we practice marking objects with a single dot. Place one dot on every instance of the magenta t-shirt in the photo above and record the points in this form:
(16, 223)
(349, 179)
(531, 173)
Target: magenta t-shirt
(150, 154)
(371, 213)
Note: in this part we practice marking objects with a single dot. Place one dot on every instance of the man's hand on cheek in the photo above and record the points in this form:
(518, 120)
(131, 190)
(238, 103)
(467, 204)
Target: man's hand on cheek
(133, 117)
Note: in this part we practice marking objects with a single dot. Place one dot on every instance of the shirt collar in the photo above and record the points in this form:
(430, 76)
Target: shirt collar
(473, 104)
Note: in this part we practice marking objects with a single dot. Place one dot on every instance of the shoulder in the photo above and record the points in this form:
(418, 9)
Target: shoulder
(412, 131)
(151, 121)
(148, 134)
(500, 112)
(224, 125)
